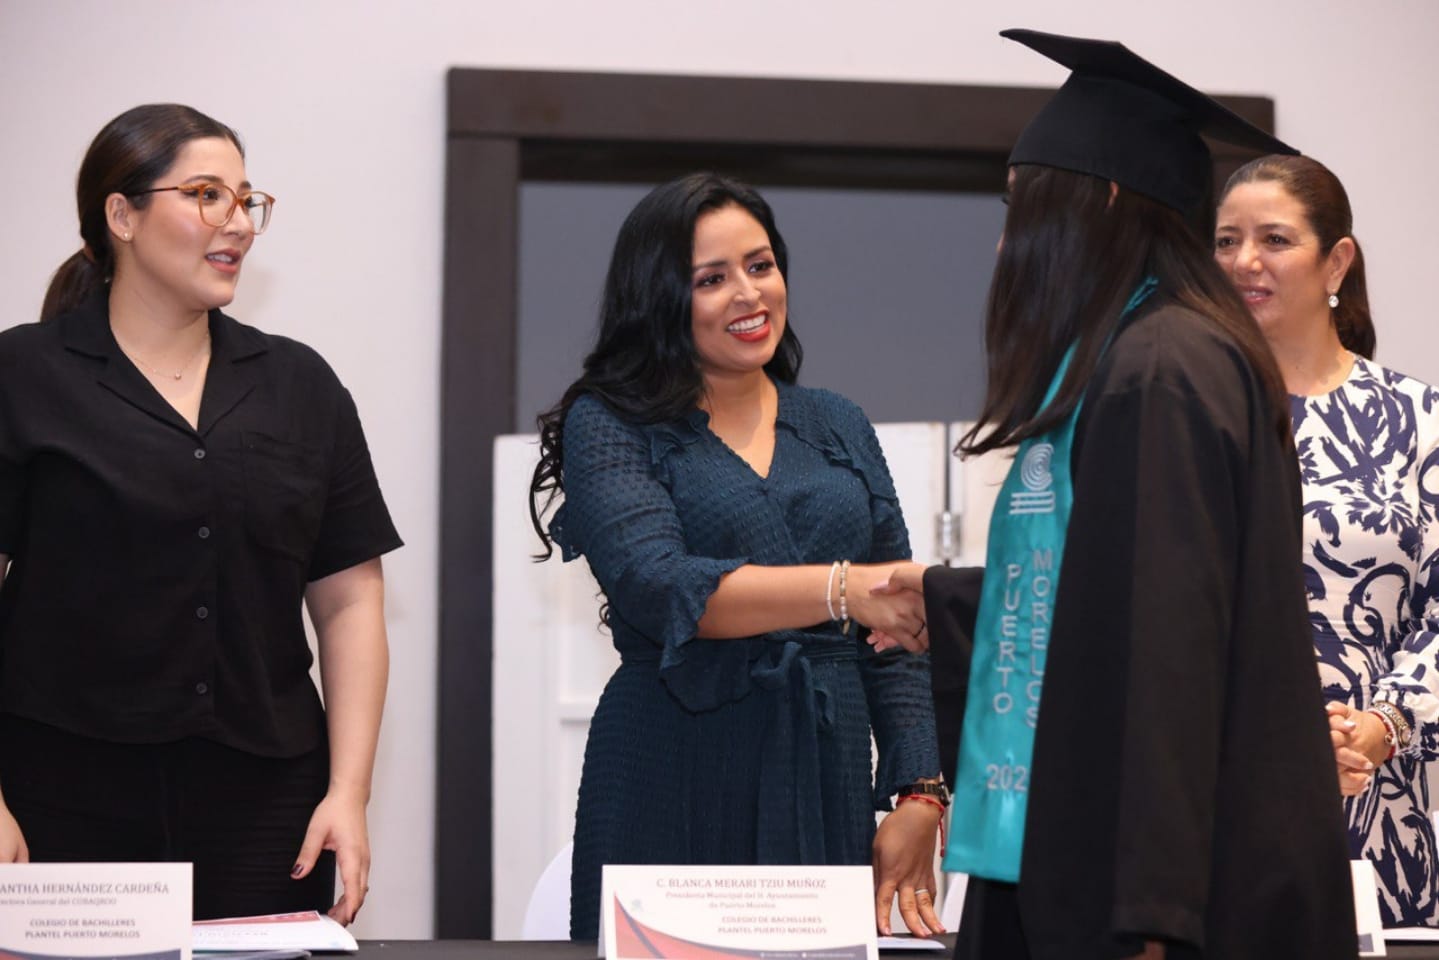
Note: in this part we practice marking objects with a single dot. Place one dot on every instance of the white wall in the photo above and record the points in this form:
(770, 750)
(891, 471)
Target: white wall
(342, 106)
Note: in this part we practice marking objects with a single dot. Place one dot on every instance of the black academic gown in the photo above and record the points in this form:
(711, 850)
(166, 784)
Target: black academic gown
(1183, 784)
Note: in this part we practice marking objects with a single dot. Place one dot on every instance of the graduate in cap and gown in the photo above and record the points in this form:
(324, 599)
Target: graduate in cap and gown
(1175, 792)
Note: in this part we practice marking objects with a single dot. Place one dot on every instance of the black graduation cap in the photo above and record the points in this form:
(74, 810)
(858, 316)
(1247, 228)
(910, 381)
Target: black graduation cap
(1120, 117)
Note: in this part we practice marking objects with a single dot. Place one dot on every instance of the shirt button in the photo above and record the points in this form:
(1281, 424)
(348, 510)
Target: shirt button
(199, 454)
(202, 612)
(204, 533)
(202, 688)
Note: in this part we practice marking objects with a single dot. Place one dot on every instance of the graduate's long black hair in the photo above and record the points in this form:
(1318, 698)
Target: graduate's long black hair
(1073, 252)
(644, 364)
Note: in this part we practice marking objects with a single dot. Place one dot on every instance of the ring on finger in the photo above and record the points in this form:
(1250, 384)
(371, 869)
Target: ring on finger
(916, 635)
(921, 892)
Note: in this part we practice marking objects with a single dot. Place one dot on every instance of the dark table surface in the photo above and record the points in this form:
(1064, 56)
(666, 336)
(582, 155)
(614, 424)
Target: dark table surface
(566, 950)
(532, 949)
(473, 949)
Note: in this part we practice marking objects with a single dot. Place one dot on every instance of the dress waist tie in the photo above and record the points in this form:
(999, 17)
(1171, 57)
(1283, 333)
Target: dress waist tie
(793, 833)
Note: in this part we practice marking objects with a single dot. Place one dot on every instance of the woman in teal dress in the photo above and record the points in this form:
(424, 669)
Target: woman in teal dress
(736, 523)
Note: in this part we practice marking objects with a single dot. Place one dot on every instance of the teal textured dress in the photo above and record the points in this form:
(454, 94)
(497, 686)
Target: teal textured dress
(754, 750)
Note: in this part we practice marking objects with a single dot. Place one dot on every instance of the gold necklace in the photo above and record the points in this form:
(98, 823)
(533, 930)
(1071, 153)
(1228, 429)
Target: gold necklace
(177, 375)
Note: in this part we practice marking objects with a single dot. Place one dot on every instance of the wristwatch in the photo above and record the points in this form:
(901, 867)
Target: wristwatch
(922, 788)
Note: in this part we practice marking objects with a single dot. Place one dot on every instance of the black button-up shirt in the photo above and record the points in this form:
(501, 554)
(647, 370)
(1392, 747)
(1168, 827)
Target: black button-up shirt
(158, 571)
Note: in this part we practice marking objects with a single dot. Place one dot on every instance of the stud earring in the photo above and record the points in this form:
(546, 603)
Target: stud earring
(1333, 300)
(126, 238)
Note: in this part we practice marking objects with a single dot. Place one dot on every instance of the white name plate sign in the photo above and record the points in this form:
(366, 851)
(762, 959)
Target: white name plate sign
(120, 911)
(689, 913)
(1366, 909)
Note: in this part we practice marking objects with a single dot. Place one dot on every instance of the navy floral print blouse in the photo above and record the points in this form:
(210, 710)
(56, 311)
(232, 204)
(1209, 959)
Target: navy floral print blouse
(1369, 460)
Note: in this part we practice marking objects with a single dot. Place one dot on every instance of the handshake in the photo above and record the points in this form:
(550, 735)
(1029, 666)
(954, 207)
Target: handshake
(888, 598)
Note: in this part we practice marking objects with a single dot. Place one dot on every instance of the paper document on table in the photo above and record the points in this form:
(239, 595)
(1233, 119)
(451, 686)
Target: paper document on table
(1411, 935)
(308, 930)
(909, 943)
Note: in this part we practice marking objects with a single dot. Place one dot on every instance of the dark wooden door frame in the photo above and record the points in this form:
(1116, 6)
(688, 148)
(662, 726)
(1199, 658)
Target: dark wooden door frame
(508, 126)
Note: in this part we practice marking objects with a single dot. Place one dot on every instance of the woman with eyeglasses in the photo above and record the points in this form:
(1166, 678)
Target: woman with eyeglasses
(174, 487)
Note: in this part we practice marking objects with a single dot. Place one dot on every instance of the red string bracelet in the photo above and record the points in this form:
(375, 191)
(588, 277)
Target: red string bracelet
(1391, 736)
(921, 796)
(931, 800)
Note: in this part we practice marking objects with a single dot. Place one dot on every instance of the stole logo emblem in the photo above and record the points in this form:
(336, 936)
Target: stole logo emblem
(1038, 495)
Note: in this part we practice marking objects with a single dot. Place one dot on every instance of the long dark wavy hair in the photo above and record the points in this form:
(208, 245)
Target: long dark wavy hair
(1326, 206)
(1072, 255)
(128, 154)
(644, 365)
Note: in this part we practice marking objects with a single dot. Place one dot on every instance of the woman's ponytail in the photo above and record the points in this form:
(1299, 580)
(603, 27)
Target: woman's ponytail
(74, 282)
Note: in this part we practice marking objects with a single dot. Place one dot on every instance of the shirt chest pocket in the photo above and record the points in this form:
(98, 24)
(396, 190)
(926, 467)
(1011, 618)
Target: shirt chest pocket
(284, 494)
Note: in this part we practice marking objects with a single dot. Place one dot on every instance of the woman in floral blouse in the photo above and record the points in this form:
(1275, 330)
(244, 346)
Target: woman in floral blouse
(1368, 445)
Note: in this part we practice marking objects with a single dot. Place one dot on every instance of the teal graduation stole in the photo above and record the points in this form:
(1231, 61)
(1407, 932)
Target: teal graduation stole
(1011, 637)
